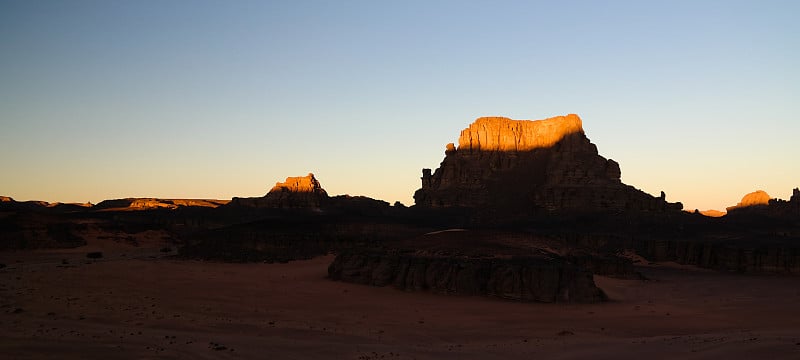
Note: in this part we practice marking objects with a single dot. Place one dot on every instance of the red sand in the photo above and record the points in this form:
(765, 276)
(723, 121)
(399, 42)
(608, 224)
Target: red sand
(119, 307)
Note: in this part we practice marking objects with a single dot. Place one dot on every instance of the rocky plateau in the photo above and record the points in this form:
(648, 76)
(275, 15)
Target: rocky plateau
(505, 167)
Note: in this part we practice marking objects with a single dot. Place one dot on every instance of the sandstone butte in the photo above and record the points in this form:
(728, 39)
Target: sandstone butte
(755, 198)
(531, 165)
(295, 192)
(307, 184)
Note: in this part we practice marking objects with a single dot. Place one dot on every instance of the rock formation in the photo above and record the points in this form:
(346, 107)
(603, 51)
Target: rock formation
(296, 192)
(760, 203)
(755, 198)
(528, 279)
(747, 255)
(153, 203)
(8, 203)
(793, 206)
(709, 212)
(298, 184)
(538, 166)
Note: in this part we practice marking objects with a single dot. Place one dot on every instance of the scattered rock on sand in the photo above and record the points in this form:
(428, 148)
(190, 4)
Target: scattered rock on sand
(217, 347)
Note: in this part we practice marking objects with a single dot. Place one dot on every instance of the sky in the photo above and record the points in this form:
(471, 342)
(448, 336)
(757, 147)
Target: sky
(216, 99)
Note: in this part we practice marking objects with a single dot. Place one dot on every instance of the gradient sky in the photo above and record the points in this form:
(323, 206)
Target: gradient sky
(215, 99)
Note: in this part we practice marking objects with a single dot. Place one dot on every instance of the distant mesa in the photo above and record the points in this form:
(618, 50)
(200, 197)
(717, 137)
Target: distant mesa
(296, 192)
(126, 204)
(132, 204)
(299, 184)
(710, 212)
(8, 203)
(756, 198)
(524, 166)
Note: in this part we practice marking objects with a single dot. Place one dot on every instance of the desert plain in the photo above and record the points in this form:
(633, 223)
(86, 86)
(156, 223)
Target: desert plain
(141, 302)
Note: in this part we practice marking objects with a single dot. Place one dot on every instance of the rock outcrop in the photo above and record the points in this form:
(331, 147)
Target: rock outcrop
(298, 184)
(759, 203)
(527, 279)
(793, 206)
(517, 166)
(756, 198)
(301, 192)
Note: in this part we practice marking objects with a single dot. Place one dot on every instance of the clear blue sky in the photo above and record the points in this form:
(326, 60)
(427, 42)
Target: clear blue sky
(215, 99)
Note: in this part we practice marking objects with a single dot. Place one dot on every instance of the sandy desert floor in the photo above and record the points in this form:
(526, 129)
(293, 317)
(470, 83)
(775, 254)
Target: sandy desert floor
(139, 304)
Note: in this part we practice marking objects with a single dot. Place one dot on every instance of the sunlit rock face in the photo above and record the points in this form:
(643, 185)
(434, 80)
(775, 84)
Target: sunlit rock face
(298, 184)
(530, 166)
(295, 192)
(504, 134)
(755, 198)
